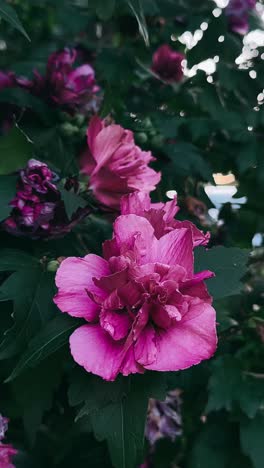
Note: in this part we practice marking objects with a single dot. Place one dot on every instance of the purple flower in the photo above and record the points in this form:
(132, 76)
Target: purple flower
(7, 451)
(237, 12)
(164, 418)
(38, 210)
(167, 64)
(7, 80)
(63, 85)
(3, 426)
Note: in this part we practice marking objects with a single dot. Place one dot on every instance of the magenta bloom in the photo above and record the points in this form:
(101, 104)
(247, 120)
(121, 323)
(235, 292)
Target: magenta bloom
(161, 216)
(64, 85)
(115, 164)
(38, 211)
(237, 13)
(145, 306)
(7, 451)
(7, 80)
(167, 64)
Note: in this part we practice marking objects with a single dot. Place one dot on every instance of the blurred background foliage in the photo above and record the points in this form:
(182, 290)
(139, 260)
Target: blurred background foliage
(207, 134)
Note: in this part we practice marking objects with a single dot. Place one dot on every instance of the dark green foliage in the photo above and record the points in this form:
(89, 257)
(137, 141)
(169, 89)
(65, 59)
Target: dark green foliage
(16, 150)
(61, 416)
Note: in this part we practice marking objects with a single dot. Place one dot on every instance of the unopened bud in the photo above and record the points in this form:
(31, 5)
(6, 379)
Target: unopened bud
(68, 129)
(141, 138)
(53, 266)
(79, 119)
(157, 141)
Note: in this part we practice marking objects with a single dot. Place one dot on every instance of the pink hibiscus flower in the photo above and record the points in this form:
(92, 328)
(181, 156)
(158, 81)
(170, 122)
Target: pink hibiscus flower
(115, 164)
(145, 306)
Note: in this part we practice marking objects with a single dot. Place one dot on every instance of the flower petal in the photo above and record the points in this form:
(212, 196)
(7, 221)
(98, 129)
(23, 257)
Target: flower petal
(145, 348)
(105, 144)
(95, 350)
(73, 279)
(95, 126)
(176, 248)
(117, 324)
(187, 343)
(131, 230)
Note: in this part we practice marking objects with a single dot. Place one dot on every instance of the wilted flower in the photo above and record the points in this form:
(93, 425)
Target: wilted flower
(7, 451)
(167, 64)
(68, 87)
(237, 12)
(146, 307)
(38, 210)
(115, 164)
(164, 418)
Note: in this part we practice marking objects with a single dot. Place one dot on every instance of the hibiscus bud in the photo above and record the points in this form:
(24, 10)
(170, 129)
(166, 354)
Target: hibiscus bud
(68, 129)
(157, 141)
(141, 138)
(167, 64)
(38, 210)
(53, 266)
(79, 119)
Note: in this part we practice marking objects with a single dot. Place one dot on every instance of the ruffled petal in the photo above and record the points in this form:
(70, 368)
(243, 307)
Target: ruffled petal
(131, 230)
(105, 144)
(189, 342)
(73, 279)
(117, 324)
(176, 248)
(145, 347)
(95, 350)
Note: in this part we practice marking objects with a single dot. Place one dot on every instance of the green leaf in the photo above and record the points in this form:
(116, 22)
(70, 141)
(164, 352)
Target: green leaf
(247, 156)
(22, 98)
(229, 266)
(7, 193)
(14, 260)
(93, 392)
(15, 150)
(42, 383)
(229, 387)
(32, 290)
(105, 9)
(117, 410)
(122, 423)
(217, 446)
(9, 14)
(71, 200)
(52, 337)
(186, 158)
(251, 434)
(137, 10)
